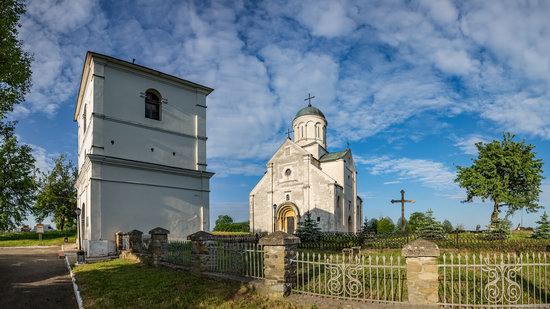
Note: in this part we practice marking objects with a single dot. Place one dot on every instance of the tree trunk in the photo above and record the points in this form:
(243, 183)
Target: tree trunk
(62, 223)
(494, 215)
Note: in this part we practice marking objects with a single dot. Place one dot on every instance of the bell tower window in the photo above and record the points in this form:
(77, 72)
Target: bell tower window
(152, 105)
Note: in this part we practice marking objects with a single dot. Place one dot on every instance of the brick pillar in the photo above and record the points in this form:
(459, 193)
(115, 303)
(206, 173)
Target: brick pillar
(280, 273)
(422, 276)
(135, 242)
(200, 255)
(118, 240)
(158, 247)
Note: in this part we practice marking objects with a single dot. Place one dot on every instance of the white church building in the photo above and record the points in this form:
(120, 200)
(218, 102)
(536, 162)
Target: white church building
(141, 153)
(302, 176)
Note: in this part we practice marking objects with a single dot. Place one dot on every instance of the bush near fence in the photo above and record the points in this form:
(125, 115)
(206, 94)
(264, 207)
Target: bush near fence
(461, 240)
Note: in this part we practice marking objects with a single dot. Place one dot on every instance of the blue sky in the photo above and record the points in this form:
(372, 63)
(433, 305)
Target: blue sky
(411, 85)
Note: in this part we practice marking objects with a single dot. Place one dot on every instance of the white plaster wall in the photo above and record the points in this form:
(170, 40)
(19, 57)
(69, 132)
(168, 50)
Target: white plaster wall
(308, 123)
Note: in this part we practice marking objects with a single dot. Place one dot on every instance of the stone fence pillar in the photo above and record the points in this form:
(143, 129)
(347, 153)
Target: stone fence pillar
(118, 240)
(279, 271)
(158, 247)
(200, 255)
(422, 276)
(135, 242)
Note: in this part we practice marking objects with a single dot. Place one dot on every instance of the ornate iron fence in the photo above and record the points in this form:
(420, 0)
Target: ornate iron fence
(179, 252)
(243, 259)
(379, 279)
(494, 281)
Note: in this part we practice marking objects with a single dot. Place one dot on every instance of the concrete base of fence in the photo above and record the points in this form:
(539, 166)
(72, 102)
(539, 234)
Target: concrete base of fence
(422, 276)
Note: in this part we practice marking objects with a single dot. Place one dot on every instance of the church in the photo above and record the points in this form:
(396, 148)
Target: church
(141, 153)
(303, 177)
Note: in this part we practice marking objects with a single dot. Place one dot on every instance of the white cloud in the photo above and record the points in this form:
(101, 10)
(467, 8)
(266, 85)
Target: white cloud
(468, 144)
(429, 173)
(44, 160)
(391, 182)
(227, 167)
(327, 18)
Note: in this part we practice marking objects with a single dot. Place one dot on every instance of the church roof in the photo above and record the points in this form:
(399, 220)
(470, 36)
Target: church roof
(333, 156)
(309, 110)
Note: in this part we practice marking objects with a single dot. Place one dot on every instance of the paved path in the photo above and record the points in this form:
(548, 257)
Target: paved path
(34, 278)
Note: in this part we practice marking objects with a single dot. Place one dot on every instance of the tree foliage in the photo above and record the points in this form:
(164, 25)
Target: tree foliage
(15, 72)
(499, 230)
(17, 182)
(385, 226)
(308, 230)
(430, 228)
(447, 226)
(543, 227)
(57, 194)
(415, 220)
(225, 223)
(505, 172)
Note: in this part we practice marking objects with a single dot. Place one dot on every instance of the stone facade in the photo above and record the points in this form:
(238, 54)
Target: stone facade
(302, 176)
(422, 275)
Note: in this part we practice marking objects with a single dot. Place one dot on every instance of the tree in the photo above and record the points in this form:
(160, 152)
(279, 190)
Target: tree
(15, 72)
(447, 226)
(225, 223)
(398, 225)
(543, 229)
(372, 226)
(415, 220)
(17, 182)
(223, 220)
(499, 230)
(57, 194)
(308, 231)
(385, 226)
(429, 228)
(505, 172)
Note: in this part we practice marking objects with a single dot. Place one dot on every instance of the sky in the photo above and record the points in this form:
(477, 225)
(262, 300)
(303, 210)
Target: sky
(410, 85)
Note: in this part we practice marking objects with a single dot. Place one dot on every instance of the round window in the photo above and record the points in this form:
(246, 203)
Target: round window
(288, 172)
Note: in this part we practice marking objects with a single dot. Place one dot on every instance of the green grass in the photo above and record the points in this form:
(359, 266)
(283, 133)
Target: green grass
(24, 239)
(125, 284)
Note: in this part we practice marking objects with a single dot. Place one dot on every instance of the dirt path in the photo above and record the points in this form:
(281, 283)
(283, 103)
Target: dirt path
(34, 278)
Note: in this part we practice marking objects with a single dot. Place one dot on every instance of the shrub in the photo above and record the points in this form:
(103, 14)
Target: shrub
(385, 226)
(498, 231)
(429, 228)
(308, 230)
(447, 226)
(543, 229)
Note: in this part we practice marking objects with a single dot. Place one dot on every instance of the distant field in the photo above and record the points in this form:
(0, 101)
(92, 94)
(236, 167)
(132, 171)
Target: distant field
(24, 239)
(231, 233)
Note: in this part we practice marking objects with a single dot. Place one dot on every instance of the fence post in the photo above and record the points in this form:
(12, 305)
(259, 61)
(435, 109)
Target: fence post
(279, 270)
(158, 246)
(135, 242)
(118, 240)
(200, 254)
(422, 276)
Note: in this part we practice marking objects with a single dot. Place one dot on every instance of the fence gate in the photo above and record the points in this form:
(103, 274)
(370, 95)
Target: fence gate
(494, 281)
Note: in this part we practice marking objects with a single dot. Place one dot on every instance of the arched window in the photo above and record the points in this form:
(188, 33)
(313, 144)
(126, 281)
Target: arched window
(302, 133)
(152, 105)
(338, 202)
(82, 220)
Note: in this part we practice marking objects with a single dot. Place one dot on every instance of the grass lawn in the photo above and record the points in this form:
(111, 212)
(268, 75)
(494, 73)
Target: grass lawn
(24, 239)
(125, 284)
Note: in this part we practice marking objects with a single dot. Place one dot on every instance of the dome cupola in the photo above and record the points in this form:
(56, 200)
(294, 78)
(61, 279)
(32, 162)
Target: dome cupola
(310, 126)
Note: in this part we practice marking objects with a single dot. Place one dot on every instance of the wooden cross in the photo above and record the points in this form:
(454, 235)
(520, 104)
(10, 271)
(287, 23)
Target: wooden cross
(309, 97)
(402, 201)
(288, 133)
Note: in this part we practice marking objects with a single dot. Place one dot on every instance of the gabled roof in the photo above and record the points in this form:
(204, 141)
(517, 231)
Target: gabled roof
(333, 156)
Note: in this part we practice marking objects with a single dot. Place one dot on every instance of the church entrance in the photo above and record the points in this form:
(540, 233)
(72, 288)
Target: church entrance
(287, 218)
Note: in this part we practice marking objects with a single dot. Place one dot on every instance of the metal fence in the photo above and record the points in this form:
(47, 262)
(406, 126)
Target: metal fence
(244, 259)
(179, 252)
(494, 281)
(380, 279)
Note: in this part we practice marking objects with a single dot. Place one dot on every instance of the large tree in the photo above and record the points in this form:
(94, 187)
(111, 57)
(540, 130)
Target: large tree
(57, 194)
(505, 172)
(15, 72)
(17, 179)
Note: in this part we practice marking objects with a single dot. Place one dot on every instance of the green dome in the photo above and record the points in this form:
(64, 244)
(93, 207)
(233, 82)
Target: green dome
(309, 110)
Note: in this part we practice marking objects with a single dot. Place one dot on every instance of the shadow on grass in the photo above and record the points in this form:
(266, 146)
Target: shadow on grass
(125, 284)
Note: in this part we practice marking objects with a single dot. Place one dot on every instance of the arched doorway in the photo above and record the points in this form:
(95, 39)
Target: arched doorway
(287, 218)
